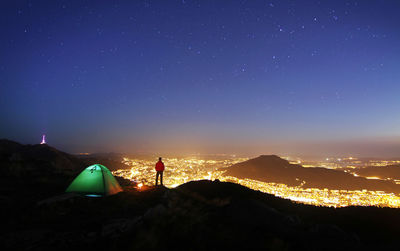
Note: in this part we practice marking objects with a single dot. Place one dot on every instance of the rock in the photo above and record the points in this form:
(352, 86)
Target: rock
(58, 198)
(115, 227)
(154, 212)
(292, 220)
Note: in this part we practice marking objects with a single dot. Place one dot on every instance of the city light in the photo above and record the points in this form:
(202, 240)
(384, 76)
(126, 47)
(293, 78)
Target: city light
(181, 170)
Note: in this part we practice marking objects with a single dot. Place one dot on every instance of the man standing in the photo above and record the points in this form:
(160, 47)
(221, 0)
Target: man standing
(159, 169)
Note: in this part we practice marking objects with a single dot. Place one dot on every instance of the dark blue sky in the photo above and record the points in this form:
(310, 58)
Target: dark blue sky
(286, 77)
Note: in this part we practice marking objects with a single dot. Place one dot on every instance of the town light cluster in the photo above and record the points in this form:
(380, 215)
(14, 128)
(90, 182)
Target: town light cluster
(182, 170)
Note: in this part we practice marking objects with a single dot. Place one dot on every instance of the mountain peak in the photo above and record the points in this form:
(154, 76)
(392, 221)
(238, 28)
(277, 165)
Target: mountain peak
(269, 160)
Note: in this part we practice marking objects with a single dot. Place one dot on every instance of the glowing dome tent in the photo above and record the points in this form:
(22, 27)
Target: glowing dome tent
(95, 180)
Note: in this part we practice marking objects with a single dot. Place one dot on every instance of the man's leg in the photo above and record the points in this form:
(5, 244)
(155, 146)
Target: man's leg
(157, 178)
(161, 175)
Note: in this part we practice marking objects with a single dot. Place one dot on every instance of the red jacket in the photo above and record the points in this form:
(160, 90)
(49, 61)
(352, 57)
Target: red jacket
(159, 166)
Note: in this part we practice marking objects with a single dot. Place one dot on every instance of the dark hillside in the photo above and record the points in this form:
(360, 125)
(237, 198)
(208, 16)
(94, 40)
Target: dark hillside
(35, 170)
(112, 161)
(196, 216)
(384, 172)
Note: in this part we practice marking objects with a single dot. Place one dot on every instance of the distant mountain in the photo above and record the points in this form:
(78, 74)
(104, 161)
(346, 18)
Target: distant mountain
(271, 168)
(17, 160)
(37, 171)
(112, 161)
(34, 171)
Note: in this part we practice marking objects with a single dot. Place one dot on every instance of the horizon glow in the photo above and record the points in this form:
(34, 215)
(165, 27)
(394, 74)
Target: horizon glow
(256, 77)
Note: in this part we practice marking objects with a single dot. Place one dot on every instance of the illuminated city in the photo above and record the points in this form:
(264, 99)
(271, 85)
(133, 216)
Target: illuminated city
(342, 162)
(182, 170)
(200, 125)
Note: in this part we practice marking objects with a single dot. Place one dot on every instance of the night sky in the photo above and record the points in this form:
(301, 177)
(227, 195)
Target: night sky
(250, 77)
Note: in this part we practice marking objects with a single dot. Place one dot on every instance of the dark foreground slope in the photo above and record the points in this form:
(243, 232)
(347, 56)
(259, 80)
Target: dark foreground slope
(196, 216)
(271, 168)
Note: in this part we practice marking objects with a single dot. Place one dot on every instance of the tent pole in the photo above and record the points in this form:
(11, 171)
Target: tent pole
(104, 181)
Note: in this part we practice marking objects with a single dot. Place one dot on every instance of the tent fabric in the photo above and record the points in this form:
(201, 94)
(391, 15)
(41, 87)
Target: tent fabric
(95, 180)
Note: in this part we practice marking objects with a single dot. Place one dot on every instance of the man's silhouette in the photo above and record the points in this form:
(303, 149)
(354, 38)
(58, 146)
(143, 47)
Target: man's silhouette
(159, 169)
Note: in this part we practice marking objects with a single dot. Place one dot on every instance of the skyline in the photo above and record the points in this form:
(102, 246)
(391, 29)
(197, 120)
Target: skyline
(248, 77)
